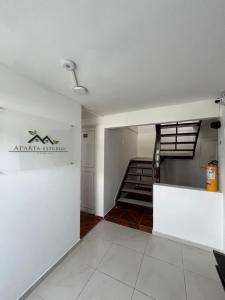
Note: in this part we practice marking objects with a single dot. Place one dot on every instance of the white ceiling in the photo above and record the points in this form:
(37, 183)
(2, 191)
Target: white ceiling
(131, 54)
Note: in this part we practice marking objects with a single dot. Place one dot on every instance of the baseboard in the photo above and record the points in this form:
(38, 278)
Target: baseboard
(185, 242)
(88, 210)
(45, 274)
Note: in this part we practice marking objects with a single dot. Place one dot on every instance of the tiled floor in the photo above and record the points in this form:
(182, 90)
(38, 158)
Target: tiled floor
(132, 216)
(87, 222)
(117, 262)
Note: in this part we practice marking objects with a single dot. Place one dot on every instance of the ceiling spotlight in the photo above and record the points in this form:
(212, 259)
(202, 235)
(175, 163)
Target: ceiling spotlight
(69, 65)
(81, 90)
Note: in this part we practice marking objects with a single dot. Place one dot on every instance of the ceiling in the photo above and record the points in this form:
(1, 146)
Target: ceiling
(131, 54)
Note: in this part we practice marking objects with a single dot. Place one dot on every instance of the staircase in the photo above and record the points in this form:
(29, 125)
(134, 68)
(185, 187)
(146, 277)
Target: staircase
(136, 187)
(175, 140)
(178, 139)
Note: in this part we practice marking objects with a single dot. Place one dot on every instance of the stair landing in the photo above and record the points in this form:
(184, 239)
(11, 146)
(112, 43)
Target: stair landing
(133, 216)
(145, 159)
(136, 187)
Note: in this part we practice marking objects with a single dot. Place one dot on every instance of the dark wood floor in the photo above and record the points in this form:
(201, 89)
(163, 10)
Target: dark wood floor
(132, 216)
(87, 222)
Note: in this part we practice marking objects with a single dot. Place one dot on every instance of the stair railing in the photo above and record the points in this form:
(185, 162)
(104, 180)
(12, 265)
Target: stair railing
(156, 155)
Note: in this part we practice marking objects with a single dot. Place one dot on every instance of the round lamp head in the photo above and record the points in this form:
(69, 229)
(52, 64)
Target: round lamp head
(81, 90)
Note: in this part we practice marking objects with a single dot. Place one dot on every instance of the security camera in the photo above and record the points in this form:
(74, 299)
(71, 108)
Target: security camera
(218, 100)
(215, 125)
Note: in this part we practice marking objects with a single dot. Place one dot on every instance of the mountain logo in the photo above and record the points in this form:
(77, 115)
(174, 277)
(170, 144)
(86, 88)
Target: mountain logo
(37, 144)
(36, 138)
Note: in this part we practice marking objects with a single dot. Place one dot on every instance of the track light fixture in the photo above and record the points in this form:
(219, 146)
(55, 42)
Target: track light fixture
(70, 65)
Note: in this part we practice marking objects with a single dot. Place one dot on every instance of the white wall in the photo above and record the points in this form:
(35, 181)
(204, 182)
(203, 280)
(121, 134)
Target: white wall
(193, 215)
(146, 140)
(188, 111)
(39, 210)
(192, 172)
(120, 147)
(88, 119)
(88, 170)
(222, 164)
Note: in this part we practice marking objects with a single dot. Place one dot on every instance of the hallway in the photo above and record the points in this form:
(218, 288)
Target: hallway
(116, 262)
(137, 217)
(87, 222)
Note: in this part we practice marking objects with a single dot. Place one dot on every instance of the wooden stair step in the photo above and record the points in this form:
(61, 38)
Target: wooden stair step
(138, 182)
(179, 125)
(178, 156)
(138, 167)
(169, 150)
(178, 134)
(136, 202)
(137, 191)
(139, 174)
(141, 160)
(178, 143)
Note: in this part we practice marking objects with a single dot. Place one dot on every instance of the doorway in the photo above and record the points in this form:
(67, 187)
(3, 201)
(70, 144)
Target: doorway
(129, 176)
(175, 153)
(88, 219)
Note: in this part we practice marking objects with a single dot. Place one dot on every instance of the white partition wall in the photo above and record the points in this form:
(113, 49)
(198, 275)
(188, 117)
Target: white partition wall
(120, 147)
(39, 207)
(189, 111)
(192, 215)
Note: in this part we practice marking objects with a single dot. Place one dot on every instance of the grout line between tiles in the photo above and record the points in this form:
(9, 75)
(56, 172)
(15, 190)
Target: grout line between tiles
(95, 270)
(142, 259)
(138, 273)
(164, 261)
(86, 284)
(152, 298)
(185, 286)
(201, 275)
(129, 248)
(114, 278)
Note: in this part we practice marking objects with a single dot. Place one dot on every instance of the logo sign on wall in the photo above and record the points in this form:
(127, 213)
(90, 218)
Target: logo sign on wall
(30, 142)
(40, 145)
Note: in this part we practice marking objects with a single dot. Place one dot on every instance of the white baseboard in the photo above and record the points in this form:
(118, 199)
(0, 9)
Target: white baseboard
(185, 242)
(88, 210)
(46, 273)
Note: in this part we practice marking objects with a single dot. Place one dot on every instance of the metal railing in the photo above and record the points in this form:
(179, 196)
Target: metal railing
(156, 155)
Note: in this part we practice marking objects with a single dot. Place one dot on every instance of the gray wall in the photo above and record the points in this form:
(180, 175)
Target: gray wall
(120, 147)
(222, 164)
(192, 172)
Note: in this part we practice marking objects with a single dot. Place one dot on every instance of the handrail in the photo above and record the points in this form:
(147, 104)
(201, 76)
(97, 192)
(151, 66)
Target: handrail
(156, 155)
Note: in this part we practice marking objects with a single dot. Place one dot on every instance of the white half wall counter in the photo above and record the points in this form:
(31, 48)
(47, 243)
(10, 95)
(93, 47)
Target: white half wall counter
(189, 214)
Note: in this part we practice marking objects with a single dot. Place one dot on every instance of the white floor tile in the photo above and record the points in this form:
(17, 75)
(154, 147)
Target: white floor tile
(134, 239)
(202, 288)
(90, 251)
(139, 296)
(165, 250)
(103, 287)
(161, 280)
(122, 263)
(33, 296)
(56, 292)
(118, 251)
(200, 262)
(70, 274)
(107, 231)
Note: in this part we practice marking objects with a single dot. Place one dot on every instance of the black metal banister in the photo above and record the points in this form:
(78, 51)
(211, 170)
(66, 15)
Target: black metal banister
(156, 155)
